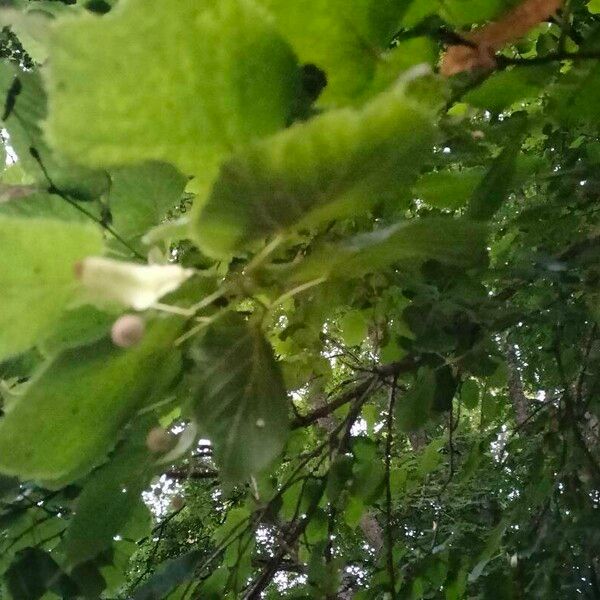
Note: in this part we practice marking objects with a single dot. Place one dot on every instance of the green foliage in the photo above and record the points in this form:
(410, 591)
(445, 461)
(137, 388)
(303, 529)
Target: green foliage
(347, 48)
(334, 165)
(69, 414)
(362, 353)
(415, 407)
(122, 479)
(39, 276)
(140, 197)
(239, 397)
(243, 82)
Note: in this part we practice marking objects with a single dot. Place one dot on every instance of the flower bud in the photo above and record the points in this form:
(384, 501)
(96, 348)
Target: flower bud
(127, 331)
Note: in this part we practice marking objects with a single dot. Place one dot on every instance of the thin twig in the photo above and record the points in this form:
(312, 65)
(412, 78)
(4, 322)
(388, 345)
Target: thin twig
(55, 190)
(388, 488)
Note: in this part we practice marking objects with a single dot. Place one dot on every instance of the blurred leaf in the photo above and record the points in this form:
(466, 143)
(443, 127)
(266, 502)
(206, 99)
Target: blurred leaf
(491, 547)
(140, 197)
(448, 189)
(450, 241)
(343, 39)
(168, 576)
(431, 458)
(493, 190)
(501, 90)
(469, 394)
(37, 276)
(77, 327)
(116, 107)
(26, 112)
(337, 164)
(354, 328)
(340, 474)
(33, 573)
(73, 409)
(113, 491)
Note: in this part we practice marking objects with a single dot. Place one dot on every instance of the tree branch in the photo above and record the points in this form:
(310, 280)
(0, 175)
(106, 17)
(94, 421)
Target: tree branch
(383, 372)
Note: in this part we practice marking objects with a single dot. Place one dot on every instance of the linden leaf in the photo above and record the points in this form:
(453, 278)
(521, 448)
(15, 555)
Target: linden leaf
(197, 80)
(37, 276)
(240, 401)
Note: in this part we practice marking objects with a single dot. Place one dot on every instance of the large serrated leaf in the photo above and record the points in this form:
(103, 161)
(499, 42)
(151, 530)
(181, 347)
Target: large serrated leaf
(197, 80)
(335, 165)
(240, 401)
(72, 411)
(140, 197)
(37, 275)
(113, 490)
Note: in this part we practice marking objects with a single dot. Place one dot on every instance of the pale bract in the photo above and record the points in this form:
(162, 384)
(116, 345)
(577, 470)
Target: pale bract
(106, 281)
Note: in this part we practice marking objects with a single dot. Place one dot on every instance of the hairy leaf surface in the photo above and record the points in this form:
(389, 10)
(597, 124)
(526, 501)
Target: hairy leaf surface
(335, 165)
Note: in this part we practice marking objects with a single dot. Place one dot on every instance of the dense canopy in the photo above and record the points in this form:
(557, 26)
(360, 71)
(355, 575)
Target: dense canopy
(300, 299)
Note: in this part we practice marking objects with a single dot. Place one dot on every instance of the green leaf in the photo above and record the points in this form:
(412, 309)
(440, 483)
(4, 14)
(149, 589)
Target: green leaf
(404, 55)
(491, 547)
(196, 80)
(465, 12)
(168, 576)
(40, 205)
(495, 186)
(355, 509)
(344, 39)
(316, 530)
(353, 327)
(240, 401)
(445, 388)
(501, 90)
(431, 458)
(414, 407)
(574, 96)
(73, 410)
(114, 491)
(337, 164)
(448, 189)
(33, 573)
(77, 327)
(25, 112)
(37, 276)
(469, 393)
(141, 196)
(340, 474)
(459, 242)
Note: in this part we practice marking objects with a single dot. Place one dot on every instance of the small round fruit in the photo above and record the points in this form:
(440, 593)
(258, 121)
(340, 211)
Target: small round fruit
(127, 331)
(159, 440)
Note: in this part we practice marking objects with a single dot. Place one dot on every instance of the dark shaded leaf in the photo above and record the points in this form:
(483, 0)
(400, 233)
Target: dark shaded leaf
(240, 401)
